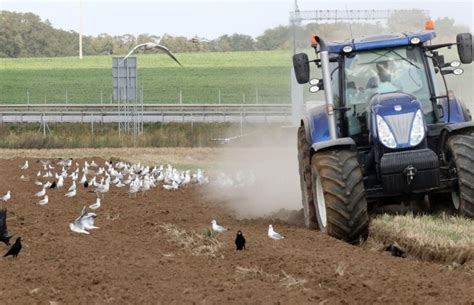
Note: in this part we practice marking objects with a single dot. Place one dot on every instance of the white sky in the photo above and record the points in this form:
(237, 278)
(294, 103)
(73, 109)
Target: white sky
(208, 19)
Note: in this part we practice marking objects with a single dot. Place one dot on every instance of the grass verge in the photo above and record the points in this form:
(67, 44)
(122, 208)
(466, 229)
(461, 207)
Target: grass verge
(439, 238)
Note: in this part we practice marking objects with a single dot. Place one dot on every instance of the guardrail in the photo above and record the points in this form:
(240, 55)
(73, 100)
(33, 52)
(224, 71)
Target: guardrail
(108, 113)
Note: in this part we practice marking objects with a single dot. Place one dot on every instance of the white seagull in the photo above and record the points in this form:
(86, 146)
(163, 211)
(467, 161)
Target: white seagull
(25, 166)
(217, 228)
(84, 222)
(77, 226)
(149, 46)
(274, 235)
(73, 186)
(7, 196)
(41, 193)
(43, 201)
(95, 205)
(71, 194)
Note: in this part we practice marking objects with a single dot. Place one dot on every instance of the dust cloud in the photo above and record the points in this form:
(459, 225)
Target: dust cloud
(260, 176)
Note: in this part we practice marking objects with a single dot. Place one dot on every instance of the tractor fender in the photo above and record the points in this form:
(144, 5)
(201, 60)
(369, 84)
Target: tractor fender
(452, 129)
(337, 143)
(307, 132)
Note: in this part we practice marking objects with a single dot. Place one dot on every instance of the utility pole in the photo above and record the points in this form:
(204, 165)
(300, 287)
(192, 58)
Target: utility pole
(80, 29)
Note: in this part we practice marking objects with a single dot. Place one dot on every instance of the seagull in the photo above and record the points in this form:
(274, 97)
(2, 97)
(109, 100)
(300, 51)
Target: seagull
(95, 205)
(88, 221)
(3, 227)
(217, 228)
(149, 46)
(240, 241)
(7, 196)
(71, 194)
(274, 235)
(41, 193)
(43, 201)
(25, 166)
(77, 226)
(73, 186)
(84, 222)
(173, 186)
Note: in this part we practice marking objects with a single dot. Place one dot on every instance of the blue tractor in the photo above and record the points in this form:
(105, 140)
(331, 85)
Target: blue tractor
(389, 134)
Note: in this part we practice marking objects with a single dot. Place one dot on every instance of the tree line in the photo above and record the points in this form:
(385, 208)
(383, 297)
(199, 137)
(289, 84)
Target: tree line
(26, 35)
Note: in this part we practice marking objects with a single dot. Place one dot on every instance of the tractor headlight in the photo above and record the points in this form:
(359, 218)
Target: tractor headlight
(417, 129)
(385, 135)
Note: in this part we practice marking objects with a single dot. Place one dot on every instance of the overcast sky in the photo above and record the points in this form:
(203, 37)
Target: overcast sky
(208, 19)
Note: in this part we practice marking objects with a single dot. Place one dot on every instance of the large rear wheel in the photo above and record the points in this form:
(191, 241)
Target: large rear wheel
(305, 180)
(338, 189)
(461, 158)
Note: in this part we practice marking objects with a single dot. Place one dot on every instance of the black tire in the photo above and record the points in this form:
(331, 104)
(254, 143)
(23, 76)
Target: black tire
(304, 151)
(461, 156)
(342, 189)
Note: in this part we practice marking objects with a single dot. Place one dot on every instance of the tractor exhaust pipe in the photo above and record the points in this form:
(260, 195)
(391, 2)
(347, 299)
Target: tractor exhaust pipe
(324, 57)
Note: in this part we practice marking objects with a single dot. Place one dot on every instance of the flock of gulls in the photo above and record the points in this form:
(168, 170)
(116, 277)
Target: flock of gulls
(69, 176)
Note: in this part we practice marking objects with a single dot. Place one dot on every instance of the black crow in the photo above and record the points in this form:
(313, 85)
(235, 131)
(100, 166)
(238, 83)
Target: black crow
(53, 185)
(3, 227)
(15, 248)
(240, 241)
(396, 250)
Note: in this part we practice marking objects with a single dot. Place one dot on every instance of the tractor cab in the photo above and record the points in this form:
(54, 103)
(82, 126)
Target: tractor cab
(387, 116)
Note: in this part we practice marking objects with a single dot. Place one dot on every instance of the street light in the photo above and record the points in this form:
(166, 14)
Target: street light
(149, 46)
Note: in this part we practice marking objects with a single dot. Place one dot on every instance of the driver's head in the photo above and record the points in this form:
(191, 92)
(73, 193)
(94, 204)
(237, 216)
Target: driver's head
(383, 71)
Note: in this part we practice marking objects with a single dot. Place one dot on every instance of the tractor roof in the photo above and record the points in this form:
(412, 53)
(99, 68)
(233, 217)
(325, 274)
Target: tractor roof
(381, 41)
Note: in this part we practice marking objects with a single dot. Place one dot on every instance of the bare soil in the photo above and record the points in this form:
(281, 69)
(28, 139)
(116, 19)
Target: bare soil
(131, 259)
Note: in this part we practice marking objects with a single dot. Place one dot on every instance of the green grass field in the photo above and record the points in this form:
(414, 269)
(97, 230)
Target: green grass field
(233, 73)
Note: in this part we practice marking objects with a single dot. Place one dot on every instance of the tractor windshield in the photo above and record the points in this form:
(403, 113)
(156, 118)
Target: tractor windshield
(383, 71)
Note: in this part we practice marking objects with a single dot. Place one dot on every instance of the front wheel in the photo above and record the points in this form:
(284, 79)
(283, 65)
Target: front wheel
(461, 158)
(339, 195)
(304, 150)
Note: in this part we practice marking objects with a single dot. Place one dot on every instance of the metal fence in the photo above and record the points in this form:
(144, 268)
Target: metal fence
(108, 113)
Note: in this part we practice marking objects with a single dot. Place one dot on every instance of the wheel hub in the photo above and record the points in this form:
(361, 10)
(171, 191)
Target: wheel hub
(321, 203)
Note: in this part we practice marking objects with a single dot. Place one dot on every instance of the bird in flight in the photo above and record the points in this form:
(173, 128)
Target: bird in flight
(3, 227)
(84, 222)
(149, 46)
(240, 241)
(274, 235)
(14, 249)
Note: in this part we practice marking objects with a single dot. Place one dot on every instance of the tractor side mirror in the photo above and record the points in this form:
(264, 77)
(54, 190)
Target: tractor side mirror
(301, 66)
(464, 43)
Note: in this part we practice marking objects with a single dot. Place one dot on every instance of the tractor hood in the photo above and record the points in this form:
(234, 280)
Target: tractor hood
(397, 120)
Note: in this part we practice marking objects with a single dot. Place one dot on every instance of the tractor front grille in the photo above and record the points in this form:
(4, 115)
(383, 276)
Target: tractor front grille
(400, 124)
